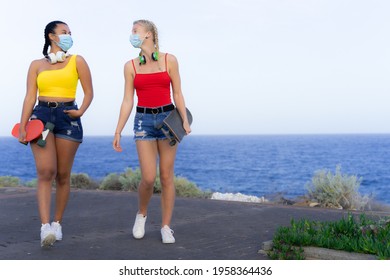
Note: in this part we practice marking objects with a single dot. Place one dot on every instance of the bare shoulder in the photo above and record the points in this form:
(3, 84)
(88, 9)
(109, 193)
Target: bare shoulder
(129, 67)
(129, 64)
(79, 58)
(37, 64)
(171, 61)
(170, 57)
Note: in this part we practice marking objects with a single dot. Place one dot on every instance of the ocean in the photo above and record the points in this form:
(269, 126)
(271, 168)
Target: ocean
(259, 165)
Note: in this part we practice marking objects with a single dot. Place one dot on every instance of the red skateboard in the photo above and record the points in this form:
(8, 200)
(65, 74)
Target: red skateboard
(34, 129)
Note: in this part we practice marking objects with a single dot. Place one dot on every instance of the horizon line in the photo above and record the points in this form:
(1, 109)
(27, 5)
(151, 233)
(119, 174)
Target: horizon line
(255, 134)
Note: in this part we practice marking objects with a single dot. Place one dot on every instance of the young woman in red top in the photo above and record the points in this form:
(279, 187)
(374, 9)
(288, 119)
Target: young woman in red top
(151, 75)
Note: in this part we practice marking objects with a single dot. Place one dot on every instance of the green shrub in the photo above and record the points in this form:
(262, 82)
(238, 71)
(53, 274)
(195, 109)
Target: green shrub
(111, 182)
(77, 180)
(9, 181)
(82, 181)
(337, 190)
(185, 188)
(130, 179)
(32, 184)
(127, 181)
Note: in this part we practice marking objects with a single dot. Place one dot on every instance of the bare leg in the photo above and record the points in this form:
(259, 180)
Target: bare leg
(147, 155)
(46, 165)
(167, 160)
(66, 152)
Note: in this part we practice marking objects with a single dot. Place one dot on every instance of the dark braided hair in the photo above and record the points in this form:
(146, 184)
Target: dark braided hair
(50, 29)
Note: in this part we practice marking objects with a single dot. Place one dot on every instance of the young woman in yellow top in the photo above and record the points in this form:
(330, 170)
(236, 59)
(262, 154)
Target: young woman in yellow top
(55, 78)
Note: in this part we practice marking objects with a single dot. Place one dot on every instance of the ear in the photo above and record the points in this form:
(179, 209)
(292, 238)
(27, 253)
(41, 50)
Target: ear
(148, 34)
(52, 36)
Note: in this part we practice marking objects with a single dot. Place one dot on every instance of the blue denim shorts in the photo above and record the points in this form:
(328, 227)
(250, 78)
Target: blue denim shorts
(64, 126)
(148, 126)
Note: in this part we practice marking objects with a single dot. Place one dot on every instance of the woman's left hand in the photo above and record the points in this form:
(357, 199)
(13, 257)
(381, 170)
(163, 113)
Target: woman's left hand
(74, 114)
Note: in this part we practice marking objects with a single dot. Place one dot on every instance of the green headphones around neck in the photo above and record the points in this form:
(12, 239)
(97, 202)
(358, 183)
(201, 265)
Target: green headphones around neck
(142, 58)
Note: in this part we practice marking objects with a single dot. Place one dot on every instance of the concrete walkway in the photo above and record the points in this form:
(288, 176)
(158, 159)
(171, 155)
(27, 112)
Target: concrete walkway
(98, 224)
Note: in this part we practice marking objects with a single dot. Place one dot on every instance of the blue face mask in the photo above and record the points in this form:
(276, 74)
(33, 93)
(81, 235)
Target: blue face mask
(135, 40)
(65, 42)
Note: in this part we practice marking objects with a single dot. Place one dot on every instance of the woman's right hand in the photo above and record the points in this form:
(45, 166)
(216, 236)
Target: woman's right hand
(116, 144)
(22, 135)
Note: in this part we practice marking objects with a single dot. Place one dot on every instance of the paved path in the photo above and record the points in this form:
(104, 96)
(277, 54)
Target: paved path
(97, 226)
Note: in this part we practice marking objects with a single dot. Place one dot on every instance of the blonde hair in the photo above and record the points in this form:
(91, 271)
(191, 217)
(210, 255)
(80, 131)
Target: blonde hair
(150, 26)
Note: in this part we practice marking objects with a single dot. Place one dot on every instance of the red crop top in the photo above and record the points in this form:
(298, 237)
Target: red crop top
(153, 89)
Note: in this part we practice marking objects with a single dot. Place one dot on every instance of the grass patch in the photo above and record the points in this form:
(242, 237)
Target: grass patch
(349, 234)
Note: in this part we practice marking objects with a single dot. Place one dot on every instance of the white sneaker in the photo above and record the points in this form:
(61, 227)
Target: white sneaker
(57, 229)
(139, 226)
(167, 235)
(47, 236)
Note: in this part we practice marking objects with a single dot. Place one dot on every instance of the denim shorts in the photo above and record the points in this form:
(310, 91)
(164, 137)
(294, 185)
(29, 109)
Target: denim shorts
(64, 126)
(148, 126)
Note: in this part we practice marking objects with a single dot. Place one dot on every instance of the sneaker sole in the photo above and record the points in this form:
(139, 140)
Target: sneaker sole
(48, 241)
(168, 242)
(139, 236)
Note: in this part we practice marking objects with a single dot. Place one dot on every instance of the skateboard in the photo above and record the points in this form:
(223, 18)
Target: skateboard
(174, 123)
(34, 129)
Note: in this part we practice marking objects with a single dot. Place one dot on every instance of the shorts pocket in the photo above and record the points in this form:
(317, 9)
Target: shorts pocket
(67, 116)
(139, 115)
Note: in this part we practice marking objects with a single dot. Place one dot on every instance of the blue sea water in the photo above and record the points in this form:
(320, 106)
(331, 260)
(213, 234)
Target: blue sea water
(254, 165)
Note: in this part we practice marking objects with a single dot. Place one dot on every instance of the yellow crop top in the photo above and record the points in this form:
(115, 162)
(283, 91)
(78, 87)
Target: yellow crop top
(60, 82)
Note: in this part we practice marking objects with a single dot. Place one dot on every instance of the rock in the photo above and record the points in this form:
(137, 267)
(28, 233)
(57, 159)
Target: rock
(314, 204)
(267, 245)
(285, 201)
(317, 253)
(237, 197)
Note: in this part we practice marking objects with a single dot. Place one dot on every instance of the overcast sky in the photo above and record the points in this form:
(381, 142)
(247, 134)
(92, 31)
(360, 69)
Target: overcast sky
(247, 66)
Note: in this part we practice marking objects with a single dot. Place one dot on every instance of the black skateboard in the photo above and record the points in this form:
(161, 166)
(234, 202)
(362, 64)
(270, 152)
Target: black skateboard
(174, 123)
